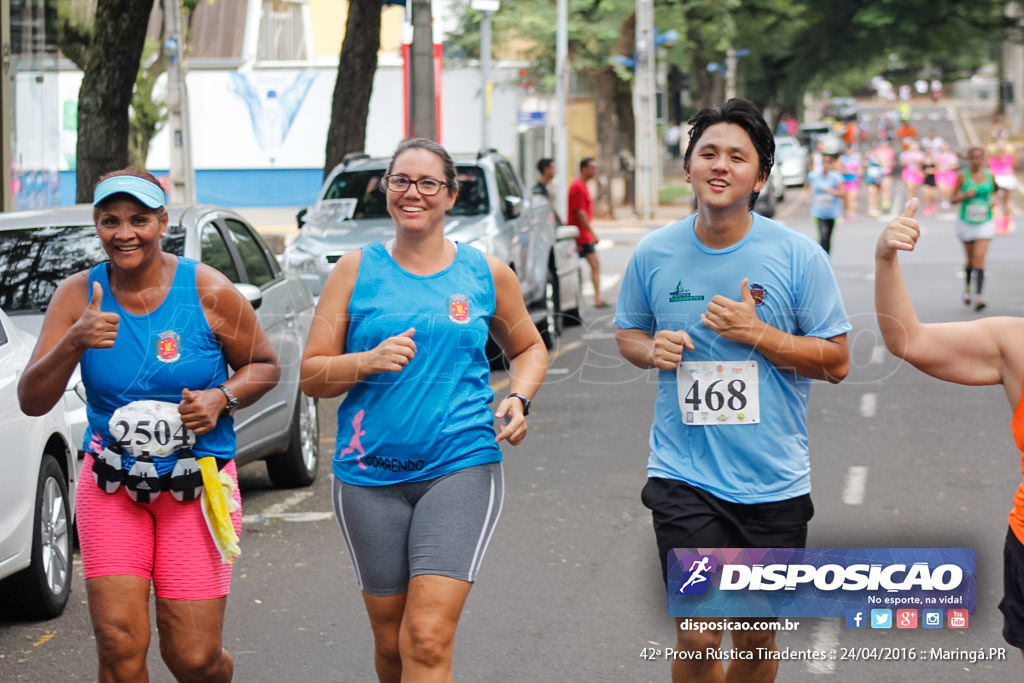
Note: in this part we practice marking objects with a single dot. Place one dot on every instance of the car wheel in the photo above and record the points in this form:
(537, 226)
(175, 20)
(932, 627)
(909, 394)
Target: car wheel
(550, 327)
(298, 465)
(41, 591)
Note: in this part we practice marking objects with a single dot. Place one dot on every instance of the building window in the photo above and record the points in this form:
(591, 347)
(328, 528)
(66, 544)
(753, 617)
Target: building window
(283, 31)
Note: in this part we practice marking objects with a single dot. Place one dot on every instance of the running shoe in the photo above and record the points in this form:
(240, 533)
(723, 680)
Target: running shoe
(967, 298)
(979, 304)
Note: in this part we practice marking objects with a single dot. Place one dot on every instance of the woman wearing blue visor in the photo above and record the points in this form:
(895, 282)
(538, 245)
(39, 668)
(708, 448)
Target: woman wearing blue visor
(154, 335)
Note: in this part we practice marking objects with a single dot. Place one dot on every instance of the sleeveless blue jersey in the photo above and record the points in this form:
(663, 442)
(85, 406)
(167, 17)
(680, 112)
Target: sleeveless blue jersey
(154, 357)
(431, 418)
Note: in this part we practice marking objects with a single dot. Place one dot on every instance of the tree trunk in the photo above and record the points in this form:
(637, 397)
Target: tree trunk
(354, 85)
(624, 118)
(607, 154)
(615, 125)
(107, 81)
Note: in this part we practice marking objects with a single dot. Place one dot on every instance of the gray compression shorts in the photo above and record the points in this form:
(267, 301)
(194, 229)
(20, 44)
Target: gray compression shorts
(440, 527)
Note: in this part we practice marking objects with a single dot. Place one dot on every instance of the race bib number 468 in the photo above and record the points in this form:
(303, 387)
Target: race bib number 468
(718, 392)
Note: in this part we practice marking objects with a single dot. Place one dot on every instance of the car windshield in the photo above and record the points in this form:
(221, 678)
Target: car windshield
(365, 188)
(787, 150)
(33, 261)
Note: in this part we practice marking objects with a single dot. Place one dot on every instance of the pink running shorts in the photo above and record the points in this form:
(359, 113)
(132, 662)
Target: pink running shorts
(166, 541)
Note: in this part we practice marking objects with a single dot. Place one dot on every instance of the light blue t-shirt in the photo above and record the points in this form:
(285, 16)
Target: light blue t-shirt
(431, 418)
(669, 283)
(823, 204)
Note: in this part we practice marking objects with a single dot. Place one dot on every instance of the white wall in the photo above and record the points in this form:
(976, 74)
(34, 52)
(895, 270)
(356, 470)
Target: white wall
(278, 118)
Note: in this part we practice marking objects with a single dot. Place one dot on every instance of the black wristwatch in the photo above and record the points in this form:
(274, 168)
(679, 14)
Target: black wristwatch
(232, 405)
(526, 402)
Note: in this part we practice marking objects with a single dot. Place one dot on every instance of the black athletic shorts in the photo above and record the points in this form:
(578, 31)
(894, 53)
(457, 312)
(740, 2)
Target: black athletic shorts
(584, 249)
(1012, 604)
(688, 517)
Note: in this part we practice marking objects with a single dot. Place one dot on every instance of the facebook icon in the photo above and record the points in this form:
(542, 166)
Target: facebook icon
(855, 618)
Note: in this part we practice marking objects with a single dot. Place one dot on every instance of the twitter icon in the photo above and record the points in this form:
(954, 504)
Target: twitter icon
(881, 618)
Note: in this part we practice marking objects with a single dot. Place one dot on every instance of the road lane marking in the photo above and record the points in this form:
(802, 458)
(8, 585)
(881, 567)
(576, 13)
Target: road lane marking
(878, 355)
(552, 357)
(868, 404)
(277, 509)
(290, 517)
(824, 638)
(855, 484)
(607, 282)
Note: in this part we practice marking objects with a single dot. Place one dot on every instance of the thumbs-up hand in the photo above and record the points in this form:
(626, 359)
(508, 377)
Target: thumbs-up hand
(735, 320)
(392, 354)
(95, 328)
(200, 410)
(900, 235)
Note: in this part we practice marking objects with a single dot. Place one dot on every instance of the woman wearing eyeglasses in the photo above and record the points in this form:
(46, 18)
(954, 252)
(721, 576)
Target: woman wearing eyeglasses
(401, 329)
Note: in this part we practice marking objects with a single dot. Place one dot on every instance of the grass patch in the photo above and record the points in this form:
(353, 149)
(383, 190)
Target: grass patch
(673, 194)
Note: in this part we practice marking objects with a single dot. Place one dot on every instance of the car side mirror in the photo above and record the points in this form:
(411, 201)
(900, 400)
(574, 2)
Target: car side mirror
(513, 206)
(300, 217)
(251, 293)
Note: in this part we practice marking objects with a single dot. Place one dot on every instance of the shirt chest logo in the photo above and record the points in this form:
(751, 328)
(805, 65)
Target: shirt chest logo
(458, 309)
(758, 293)
(680, 293)
(168, 346)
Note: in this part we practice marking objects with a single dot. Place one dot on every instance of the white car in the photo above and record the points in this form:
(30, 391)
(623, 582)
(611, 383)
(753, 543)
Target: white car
(37, 487)
(40, 248)
(790, 161)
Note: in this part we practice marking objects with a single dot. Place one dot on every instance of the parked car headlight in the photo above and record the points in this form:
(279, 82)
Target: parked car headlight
(296, 261)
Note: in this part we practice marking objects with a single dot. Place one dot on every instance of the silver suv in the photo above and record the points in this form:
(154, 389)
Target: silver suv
(493, 212)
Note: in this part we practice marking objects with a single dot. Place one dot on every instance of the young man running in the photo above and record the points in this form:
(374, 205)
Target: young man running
(729, 289)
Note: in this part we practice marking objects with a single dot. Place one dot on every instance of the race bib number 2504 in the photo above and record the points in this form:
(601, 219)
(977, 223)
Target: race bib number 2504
(718, 392)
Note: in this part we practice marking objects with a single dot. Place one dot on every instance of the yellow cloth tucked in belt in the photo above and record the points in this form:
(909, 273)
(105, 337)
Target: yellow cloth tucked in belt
(217, 508)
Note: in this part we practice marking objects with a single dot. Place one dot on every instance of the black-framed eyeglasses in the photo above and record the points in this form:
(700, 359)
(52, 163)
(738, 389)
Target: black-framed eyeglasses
(425, 186)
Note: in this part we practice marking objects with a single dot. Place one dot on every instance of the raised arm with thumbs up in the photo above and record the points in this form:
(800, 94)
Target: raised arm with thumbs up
(74, 323)
(95, 328)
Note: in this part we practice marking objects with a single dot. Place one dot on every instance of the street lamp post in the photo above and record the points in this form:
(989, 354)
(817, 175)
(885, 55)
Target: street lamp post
(183, 187)
(562, 103)
(486, 8)
(6, 110)
(647, 178)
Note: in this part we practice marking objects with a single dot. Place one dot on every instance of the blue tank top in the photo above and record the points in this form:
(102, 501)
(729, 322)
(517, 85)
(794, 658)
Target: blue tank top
(431, 418)
(154, 357)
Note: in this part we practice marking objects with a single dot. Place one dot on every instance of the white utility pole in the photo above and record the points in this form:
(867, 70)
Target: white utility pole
(183, 186)
(562, 170)
(6, 108)
(486, 8)
(730, 73)
(647, 177)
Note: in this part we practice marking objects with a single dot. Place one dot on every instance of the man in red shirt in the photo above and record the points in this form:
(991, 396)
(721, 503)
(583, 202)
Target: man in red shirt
(581, 213)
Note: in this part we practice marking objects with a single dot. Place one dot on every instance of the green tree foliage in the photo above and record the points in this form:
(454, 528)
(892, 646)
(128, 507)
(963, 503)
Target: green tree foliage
(794, 45)
(77, 34)
(148, 111)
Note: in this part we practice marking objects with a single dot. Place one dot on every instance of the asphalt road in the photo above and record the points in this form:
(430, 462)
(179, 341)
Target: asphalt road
(570, 589)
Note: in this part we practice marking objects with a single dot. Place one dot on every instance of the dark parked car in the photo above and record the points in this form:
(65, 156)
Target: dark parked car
(38, 249)
(494, 212)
